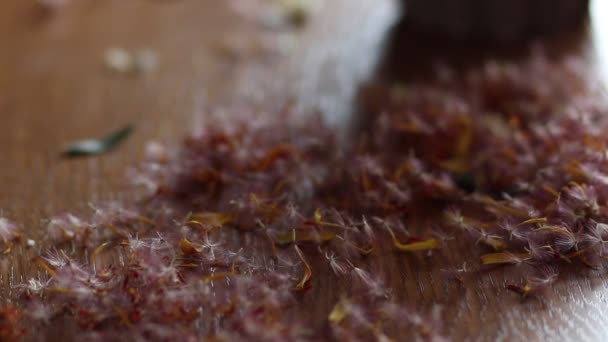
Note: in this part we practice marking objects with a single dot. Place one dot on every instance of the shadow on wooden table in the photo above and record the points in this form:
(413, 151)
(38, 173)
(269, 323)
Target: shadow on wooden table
(411, 54)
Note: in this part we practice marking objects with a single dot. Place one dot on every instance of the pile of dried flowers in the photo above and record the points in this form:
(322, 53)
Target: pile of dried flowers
(236, 221)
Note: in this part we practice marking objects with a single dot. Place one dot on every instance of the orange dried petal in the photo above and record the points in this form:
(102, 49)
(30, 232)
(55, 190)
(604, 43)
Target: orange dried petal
(188, 248)
(98, 251)
(533, 221)
(494, 242)
(503, 258)
(294, 236)
(424, 245)
(307, 271)
(338, 313)
(210, 219)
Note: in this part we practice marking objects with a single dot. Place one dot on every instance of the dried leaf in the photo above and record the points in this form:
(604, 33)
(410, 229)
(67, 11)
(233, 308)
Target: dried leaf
(98, 146)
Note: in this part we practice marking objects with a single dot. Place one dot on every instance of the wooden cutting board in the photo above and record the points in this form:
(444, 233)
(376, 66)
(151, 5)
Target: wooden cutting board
(55, 89)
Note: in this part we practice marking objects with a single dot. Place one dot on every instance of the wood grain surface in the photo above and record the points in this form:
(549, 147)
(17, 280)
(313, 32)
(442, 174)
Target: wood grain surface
(54, 89)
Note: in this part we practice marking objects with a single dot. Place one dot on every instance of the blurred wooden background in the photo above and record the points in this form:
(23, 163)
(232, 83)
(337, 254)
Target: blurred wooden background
(55, 89)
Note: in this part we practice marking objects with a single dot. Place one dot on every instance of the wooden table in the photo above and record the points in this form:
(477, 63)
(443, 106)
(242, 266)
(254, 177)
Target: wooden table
(54, 89)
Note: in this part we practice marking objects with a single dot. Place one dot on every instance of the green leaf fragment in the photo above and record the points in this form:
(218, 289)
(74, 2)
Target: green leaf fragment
(92, 147)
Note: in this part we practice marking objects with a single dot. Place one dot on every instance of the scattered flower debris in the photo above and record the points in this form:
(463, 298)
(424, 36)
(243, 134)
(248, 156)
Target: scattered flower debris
(10, 325)
(254, 211)
(122, 61)
(146, 61)
(119, 60)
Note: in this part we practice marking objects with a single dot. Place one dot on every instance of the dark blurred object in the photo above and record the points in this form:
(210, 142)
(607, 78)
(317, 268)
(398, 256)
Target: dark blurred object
(494, 20)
